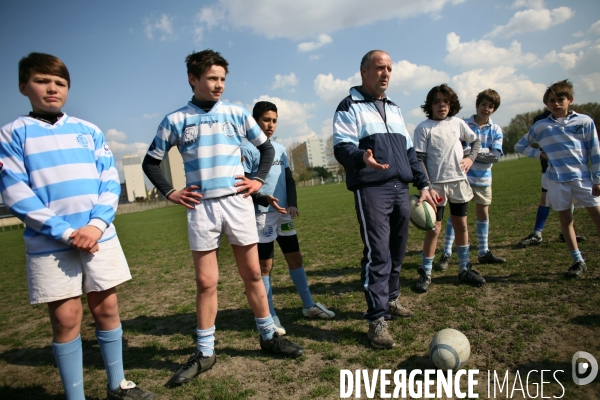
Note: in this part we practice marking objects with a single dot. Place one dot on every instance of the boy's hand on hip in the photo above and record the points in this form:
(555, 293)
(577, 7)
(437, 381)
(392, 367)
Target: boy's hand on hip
(86, 238)
(251, 185)
(186, 197)
(370, 161)
(465, 164)
(596, 190)
(273, 203)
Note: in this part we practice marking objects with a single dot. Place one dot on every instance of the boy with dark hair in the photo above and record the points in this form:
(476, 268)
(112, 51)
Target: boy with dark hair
(438, 146)
(58, 176)
(569, 141)
(480, 176)
(275, 221)
(208, 133)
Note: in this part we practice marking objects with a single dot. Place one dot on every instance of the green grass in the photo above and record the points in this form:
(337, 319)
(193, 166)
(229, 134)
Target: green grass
(527, 317)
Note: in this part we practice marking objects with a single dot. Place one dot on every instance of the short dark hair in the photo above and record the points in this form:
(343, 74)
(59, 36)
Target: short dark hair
(562, 88)
(262, 107)
(366, 60)
(490, 95)
(42, 63)
(447, 91)
(200, 62)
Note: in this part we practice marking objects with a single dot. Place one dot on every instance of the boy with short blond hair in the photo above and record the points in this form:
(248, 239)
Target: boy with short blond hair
(570, 143)
(480, 176)
(58, 176)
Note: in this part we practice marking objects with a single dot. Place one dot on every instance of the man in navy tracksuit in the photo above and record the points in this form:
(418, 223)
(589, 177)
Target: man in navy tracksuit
(371, 142)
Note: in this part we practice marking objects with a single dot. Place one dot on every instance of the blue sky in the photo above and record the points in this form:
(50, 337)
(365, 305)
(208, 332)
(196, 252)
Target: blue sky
(126, 58)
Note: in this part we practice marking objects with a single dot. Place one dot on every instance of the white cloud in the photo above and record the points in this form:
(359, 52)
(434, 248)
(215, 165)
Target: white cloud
(592, 81)
(588, 62)
(528, 4)
(284, 81)
(314, 57)
(565, 60)
(595, 28)
(164, 26)
(532, 20)
(416, 112)
(484, 53)
(569, 48)
(322, 40)
(333, 90)
(578, 34)
(326, 129)
(113, 134)
(207, 18)
(116, 142)
(309, 18)
(150, 116)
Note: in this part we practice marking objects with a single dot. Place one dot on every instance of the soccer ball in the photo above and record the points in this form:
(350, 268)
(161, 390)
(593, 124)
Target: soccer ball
(449, 349)
(422, 216)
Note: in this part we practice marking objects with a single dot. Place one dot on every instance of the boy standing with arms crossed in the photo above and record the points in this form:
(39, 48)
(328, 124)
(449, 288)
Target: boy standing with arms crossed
(59, 177)
(208, 133)
(480, 177)
(570, 142)
(438, 146)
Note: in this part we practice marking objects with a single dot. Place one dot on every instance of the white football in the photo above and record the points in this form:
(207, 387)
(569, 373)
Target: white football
(449, 349)
(422, 216)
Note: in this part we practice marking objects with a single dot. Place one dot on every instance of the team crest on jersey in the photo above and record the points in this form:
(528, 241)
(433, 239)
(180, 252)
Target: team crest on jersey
(82, 140)
(228, 129)
(106, 149)
(268, 231)
(190, 133)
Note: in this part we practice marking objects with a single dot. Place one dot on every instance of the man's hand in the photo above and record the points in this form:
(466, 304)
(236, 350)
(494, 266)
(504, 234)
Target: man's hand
(273, 203)
(429, 197)
(293, 211)
(86, 238)
(251, 185)
(370, 161)
(596, 190)
(186, 197)
(465, 164)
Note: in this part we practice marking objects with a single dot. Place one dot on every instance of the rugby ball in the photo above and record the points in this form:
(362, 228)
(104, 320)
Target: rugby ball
(449, 349)
(422, 216)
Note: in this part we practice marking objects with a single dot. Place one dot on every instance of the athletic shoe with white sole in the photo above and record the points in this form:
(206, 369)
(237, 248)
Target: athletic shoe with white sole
(531, 240)
(318, 311)
(128, 390)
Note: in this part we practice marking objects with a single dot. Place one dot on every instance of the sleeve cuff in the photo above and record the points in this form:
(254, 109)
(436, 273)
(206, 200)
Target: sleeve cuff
(65, 236)
(98, 223)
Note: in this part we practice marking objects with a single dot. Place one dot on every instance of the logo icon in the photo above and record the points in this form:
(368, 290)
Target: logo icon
(228, 129)
(82, 140)
(268, 231)
(588, 367)
(190, 133)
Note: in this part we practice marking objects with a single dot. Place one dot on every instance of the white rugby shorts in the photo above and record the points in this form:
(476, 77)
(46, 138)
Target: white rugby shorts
(456, 192)
(561, 194)
(482, 195)
(63, 274)
(231, 215)
(272, 224)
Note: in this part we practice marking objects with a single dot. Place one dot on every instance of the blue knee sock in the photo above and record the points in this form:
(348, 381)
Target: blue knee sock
(483, 229)
(426, 263)
(267, 281)
(69, 359)
(111, 347)
(299, 278)
(576, 255)
(540, 219)
(463, 256)
(206, 341)
(266, 327)
(449, 237)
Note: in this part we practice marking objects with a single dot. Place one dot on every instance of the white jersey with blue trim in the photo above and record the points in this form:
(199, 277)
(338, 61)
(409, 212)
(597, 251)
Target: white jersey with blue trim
(56, 179)
(209, 143)
(491, 138)
(275, 183)
(570, 143)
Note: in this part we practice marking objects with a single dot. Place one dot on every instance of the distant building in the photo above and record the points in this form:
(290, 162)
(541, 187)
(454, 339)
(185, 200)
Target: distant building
(309, 154)
(172, 167)
(134, 178)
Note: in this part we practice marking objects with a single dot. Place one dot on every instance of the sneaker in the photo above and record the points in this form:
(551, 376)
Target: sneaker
(423, 281)
(396, 309)
(471, 276)
(379, 335)
(490, 258)
(442, 263)
(318, 311)
(196, 364)
(531, 240)
(129, 391)
(561, 238)
(278, 328)
(577, 269)
(282, 346)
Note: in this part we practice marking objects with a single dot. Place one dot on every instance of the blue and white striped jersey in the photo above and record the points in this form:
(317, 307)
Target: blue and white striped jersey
(491, 137)
(570, 143)
(56, 179)
(275, 183)
(209, 143)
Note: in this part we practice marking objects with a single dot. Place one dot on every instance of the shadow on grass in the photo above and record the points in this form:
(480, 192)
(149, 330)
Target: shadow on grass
(31, 392)
(587, 320)
(552, 371)
(416, 362)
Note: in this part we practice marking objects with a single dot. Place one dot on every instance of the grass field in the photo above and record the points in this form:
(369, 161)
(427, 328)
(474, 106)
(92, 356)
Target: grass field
(528, 317)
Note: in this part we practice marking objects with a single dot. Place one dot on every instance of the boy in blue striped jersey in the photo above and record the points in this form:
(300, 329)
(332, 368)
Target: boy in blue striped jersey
(274, 218)
(59, 178)
(570, 142)
(480, 176)
(208, 133)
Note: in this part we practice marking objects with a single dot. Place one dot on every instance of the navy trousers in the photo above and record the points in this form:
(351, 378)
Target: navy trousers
(383, 214)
